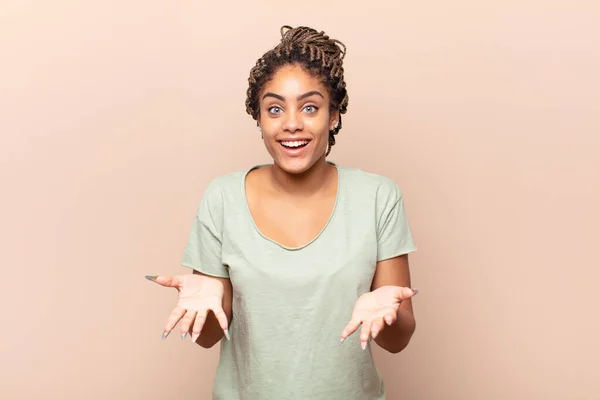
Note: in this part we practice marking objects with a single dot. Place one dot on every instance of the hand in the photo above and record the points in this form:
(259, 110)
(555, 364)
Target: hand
(197, 295)
(373, 308)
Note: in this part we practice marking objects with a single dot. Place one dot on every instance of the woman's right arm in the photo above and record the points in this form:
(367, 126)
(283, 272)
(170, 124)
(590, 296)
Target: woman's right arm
(212, 332)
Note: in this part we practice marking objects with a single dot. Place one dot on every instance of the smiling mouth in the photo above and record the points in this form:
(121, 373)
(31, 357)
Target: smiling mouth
(294, 144)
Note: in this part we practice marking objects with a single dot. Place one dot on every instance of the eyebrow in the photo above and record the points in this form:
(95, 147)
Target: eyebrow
(302, 96)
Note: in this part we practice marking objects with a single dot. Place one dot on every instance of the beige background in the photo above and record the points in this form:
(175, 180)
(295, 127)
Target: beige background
(114, 115)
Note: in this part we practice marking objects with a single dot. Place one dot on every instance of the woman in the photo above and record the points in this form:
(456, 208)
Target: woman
(293, 257)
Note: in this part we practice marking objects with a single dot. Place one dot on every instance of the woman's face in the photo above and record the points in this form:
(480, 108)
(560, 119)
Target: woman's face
(295, 119)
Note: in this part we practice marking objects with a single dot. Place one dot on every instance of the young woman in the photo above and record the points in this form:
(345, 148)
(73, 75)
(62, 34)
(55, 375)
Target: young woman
(293, 257)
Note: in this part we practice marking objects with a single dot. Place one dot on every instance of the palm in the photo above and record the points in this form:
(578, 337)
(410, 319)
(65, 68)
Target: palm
(377, 303)
(375, 308)
(198, 294)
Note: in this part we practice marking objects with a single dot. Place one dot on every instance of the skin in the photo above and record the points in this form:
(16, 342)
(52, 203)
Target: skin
(292, 199)
(295, 105)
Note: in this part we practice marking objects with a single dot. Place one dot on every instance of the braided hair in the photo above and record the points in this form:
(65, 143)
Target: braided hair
(317, 54)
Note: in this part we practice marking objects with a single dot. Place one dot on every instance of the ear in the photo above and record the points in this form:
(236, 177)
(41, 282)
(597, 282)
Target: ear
(333, 119)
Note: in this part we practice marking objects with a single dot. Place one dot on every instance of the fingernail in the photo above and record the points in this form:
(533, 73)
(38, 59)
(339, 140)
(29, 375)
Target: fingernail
(183, 335)
(341, 341)
(151, 277)
(415, 292)
(195, 337)
(388, 322)
(363, 345)
(226, 331)
(374, 334)
(165, 334)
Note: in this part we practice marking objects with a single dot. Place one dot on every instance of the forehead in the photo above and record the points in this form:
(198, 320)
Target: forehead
(294, 80)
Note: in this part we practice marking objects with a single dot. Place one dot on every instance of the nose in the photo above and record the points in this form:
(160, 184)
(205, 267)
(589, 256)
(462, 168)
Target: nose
(292, 122)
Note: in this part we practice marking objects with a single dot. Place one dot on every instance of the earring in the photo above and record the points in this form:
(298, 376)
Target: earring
(261, 132)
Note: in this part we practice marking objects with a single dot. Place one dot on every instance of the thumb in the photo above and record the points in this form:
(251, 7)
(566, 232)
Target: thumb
(404, 293)
(165, 280)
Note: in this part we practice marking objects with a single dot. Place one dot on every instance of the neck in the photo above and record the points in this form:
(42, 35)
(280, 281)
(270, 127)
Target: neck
(306, 183)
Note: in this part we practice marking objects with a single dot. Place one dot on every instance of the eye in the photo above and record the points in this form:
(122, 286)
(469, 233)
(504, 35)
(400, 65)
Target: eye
(311, 109)
(275, 110)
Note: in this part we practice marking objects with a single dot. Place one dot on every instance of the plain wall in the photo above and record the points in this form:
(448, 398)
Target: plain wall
(114, 115)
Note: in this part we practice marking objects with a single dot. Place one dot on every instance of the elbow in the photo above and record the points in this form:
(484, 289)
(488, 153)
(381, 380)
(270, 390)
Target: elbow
(400, 342)
(207, 342)
(205, 345)
(397, 347)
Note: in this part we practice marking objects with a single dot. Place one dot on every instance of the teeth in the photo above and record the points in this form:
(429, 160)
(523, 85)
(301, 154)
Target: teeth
(295, 143)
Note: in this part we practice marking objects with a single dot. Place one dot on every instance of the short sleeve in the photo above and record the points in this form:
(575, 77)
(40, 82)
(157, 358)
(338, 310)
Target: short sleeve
(203, 251)
(394, 237)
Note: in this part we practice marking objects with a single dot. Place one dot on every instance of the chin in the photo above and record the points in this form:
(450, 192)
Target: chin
(294, 166)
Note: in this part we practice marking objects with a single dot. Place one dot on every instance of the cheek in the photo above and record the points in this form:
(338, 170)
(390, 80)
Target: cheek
(321, 130)
(269, 126)
(270, 130)
(318, 124)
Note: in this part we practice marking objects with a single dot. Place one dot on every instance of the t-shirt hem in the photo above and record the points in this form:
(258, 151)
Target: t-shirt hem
(209, 273)
(387, 256)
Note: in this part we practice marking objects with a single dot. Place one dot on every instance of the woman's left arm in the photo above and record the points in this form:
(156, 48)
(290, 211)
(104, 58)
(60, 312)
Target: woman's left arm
(395, 272)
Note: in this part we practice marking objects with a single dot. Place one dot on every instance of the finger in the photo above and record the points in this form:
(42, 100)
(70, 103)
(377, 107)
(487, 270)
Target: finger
(165, 280)
(222, 318)
(173, 319)
(404, 293)
(186, 323)
(376, 326)
(390, 318)
(365, 333)
(198, 324)
(350, 329)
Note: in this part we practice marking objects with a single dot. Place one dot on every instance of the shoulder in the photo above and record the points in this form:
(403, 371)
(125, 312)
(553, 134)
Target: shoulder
(381, 187)
(223, 189)
(224, 183)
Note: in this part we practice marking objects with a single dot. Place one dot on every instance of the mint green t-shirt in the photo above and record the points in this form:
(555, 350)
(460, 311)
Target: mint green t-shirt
(291, 304)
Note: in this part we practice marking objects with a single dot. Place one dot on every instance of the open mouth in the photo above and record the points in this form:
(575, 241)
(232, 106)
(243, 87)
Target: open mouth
(294, 144)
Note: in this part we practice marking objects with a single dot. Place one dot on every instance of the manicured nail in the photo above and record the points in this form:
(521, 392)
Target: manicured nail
(183, 335)
(388, 321)
(226, 331)
(165, 334)
(415, 292)
(341, 340)
(374, 334)
(363, 345)
(151, 277)
(195, 337)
